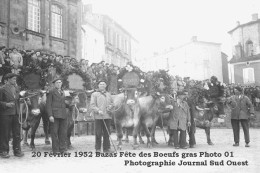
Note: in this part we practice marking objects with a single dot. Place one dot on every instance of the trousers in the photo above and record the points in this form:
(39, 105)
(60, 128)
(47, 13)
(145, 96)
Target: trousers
(236, 129)
(100, 130)
(59, 135)
(9, 123)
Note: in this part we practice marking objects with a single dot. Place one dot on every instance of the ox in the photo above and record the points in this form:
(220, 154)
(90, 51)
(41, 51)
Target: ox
(135, 112)
(36, 101)
(151, 108)
(201, 118)
(77, 103)
(37, 110)
(126, 113)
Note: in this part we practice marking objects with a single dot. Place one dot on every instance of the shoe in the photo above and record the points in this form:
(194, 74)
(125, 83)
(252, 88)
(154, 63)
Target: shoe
(192, 146)
(176, 147)
(98, 151)
(19, 154)
(4, 155)
(109, 151)
(247, 145)
(184, 147)
(236, 144)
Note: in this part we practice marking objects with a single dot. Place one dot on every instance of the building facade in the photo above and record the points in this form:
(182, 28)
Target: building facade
(52, 25)
(225, 69)
(117, 42)
(93, 43)
(197, 59)
(245, 40)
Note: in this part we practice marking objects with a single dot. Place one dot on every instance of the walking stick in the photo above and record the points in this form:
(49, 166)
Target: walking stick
(109, 134)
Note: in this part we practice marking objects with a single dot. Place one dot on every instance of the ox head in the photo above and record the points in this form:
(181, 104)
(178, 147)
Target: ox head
(76, 99)
(164, 101)
(207, 112)
(31, 105)
(131, 96)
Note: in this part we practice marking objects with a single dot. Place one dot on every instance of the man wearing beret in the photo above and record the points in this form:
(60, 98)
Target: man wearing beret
(9, 104)
(242, 109)
(56, 109)
(101, 102)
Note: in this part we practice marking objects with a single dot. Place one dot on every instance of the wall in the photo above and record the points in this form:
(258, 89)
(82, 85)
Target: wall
(238, 72)
(243, 34)
(40, 40)
(198, 60)
(94, 45)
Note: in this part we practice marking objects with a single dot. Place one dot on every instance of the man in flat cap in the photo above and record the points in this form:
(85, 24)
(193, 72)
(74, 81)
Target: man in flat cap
(179, 120)
(242, 109)
(56, 109)
(9, 103)
(101, 102)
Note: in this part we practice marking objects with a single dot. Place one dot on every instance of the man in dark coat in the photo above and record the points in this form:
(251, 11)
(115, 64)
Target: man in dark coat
(242, 109)
(179, 120)
(56, 109)
(9, 104)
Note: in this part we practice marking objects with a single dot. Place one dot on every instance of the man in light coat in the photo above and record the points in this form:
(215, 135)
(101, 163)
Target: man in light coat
(101, 102)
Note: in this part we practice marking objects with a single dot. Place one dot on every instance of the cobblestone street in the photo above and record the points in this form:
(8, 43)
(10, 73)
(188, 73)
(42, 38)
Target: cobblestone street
(223, 139)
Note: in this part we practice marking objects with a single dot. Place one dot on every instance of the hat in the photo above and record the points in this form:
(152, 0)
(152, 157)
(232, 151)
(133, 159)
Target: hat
(56, 79)
(102, 80)
(239, 88)
(10, 75)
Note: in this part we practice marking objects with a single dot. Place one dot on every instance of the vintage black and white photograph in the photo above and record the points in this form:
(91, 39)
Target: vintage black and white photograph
(130, 86)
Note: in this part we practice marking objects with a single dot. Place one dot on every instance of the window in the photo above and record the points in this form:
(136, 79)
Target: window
(109, 35)
(126, 46)
(34, 16)
(249, 48)
(248, 75)
(56, 21)
(117, 41)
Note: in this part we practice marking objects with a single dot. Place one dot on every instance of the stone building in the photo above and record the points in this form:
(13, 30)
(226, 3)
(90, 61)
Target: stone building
(93, 40)
(196, 59)
(117, 42)
(245, 41)
(52, 25)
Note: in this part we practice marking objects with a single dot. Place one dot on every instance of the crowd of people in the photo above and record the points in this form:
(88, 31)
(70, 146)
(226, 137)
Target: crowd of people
(14, 62)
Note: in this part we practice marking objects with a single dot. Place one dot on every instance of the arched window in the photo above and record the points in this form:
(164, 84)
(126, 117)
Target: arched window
(34, 15)
(56, 21)
(249, 48)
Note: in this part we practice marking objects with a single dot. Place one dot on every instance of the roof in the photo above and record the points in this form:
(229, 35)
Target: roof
(245, 24)
(244, 59)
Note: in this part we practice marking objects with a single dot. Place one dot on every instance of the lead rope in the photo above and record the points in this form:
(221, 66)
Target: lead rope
(163, 129)
(20, 119)
(74, 119)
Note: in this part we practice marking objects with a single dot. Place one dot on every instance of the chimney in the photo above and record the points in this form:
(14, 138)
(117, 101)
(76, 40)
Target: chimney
(238, 23)
(194, 38)
(254, 17)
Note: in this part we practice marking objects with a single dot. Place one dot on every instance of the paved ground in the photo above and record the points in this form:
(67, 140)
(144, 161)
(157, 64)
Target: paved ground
(222, 138)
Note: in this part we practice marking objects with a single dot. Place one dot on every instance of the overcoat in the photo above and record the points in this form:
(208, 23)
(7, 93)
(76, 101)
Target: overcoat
(6, 96)
(55, 104)
(241, 108)
(179, 116)
(101, 101)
